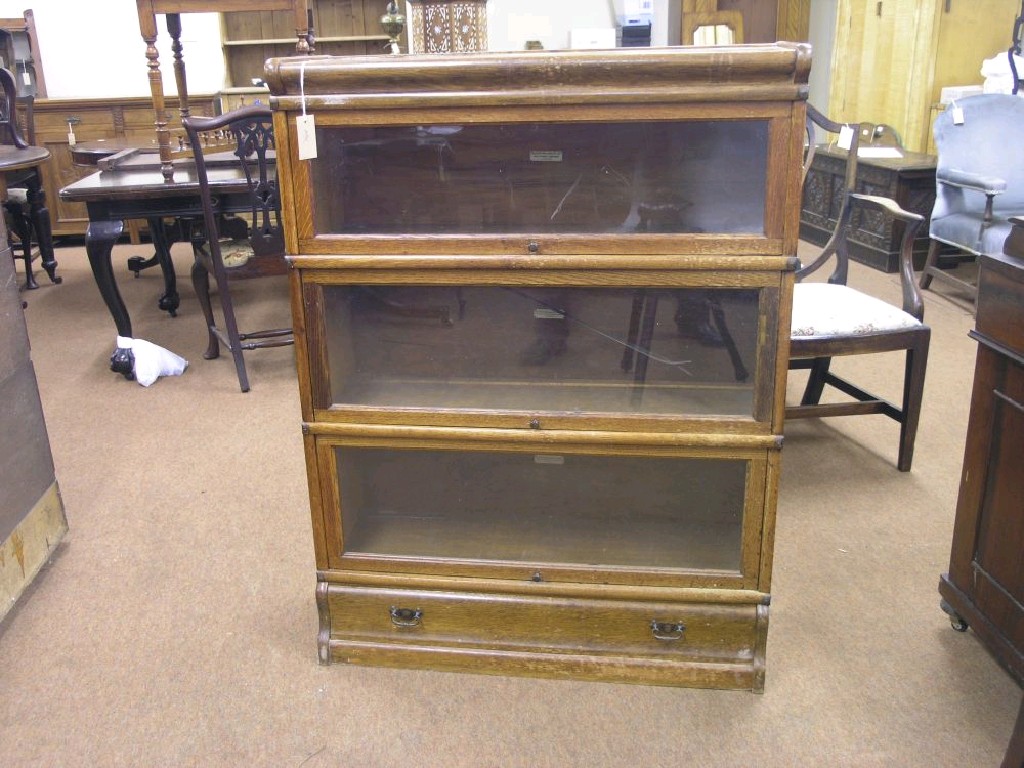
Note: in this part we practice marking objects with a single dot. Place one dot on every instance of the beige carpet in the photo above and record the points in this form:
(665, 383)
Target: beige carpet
(176, 626)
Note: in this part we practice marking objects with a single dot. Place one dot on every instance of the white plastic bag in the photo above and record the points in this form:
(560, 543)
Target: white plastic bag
(152, 361)
(997, 73)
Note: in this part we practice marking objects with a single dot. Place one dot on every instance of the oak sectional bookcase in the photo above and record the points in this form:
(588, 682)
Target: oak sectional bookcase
(541, 304)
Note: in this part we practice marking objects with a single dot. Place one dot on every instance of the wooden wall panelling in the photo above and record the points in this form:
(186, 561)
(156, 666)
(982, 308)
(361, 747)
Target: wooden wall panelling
(127, 118)
(893, 57)
(883, 64)
(758, 19)
(793, 21)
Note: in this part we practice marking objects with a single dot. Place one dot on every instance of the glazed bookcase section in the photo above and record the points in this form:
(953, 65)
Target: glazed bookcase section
(612, 178)
(551, 508)
(547, 153)
(540, 305)
(504, 348)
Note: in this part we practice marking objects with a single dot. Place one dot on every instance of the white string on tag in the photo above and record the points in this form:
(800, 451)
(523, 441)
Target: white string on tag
(305, 127)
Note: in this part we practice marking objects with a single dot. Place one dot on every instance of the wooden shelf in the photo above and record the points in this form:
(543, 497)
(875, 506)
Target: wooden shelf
(291, 40)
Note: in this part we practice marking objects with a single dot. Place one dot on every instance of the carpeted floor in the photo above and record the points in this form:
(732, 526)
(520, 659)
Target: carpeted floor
(176, 625)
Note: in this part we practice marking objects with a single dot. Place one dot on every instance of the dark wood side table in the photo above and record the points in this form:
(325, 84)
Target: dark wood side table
(14, 162)
(984, 588)
(874, 238)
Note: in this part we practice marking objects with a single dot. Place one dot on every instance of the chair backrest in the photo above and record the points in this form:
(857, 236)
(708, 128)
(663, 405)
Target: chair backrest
(10, 132)
(988, 143)
(241, 139)
(816, 124)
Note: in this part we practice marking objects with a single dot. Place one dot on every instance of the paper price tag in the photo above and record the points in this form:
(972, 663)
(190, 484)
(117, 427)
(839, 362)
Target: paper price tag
(26, 78)
(845, 137)
(306, 129)
(958, 116)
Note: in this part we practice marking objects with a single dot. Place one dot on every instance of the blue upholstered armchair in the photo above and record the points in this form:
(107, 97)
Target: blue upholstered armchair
(979, 179)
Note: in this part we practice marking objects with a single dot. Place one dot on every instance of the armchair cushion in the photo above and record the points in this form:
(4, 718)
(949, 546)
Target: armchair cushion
(967, 232)
(824, 309)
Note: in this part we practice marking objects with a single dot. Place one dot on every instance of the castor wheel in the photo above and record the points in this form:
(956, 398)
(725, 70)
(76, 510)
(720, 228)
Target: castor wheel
(956, 621)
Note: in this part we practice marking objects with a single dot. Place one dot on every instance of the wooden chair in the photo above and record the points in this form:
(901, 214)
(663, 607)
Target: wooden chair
(832, 319)
(24, 200)
(232, 248)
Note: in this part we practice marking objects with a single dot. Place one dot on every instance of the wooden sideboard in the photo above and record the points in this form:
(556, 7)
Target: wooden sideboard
(92, 120)
(874, 237)
(985, 584)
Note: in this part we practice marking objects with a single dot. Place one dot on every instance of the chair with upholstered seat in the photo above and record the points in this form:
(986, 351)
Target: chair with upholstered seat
(24, 200)
(979, 181)
(832, 319)
(237, 247)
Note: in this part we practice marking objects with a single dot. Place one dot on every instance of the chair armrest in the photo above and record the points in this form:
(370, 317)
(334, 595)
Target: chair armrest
(912, 302)
(990, 185)
(888, 205)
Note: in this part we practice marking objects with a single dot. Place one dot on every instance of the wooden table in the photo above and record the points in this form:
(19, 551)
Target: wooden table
(111, 197)
(874, 237)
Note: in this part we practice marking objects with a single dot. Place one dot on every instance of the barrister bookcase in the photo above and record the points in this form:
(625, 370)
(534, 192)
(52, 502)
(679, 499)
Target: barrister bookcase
(541, 305)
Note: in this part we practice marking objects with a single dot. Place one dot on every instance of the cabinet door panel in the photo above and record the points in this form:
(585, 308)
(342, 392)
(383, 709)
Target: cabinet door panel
(615, 178)
(584, 351)
(1000, 569)
(554, 506)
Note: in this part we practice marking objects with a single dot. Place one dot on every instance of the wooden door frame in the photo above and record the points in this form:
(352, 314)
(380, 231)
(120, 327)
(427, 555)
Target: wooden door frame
(792, 18)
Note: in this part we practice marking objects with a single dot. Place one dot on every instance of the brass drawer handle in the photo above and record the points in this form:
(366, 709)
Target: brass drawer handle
(405, 618)
(667, 630)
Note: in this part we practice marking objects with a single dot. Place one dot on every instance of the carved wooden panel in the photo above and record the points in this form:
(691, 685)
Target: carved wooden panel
(874, 237)
(449, 26)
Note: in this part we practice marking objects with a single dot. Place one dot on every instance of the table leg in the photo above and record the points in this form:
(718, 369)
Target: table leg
(99, 243)
(162, 244)
(40, 216)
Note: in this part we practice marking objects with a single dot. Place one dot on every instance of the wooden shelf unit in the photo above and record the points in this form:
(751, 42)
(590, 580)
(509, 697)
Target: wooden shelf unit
(541, 304)
(341, 28)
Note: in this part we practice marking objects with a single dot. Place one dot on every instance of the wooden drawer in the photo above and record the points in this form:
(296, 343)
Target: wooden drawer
(1000, 313)
(56, 122)
(608, 639)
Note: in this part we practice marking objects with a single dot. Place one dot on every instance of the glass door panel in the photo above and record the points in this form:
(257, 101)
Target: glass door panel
(543, 508)
(626, 177)
(674, 351)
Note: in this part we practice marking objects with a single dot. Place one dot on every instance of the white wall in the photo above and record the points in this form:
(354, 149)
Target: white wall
(87, 53)
(94, 50)
(510, 23)
(822, 37)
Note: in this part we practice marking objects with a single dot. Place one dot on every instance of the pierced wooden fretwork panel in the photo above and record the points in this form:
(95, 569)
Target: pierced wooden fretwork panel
(449, 26)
